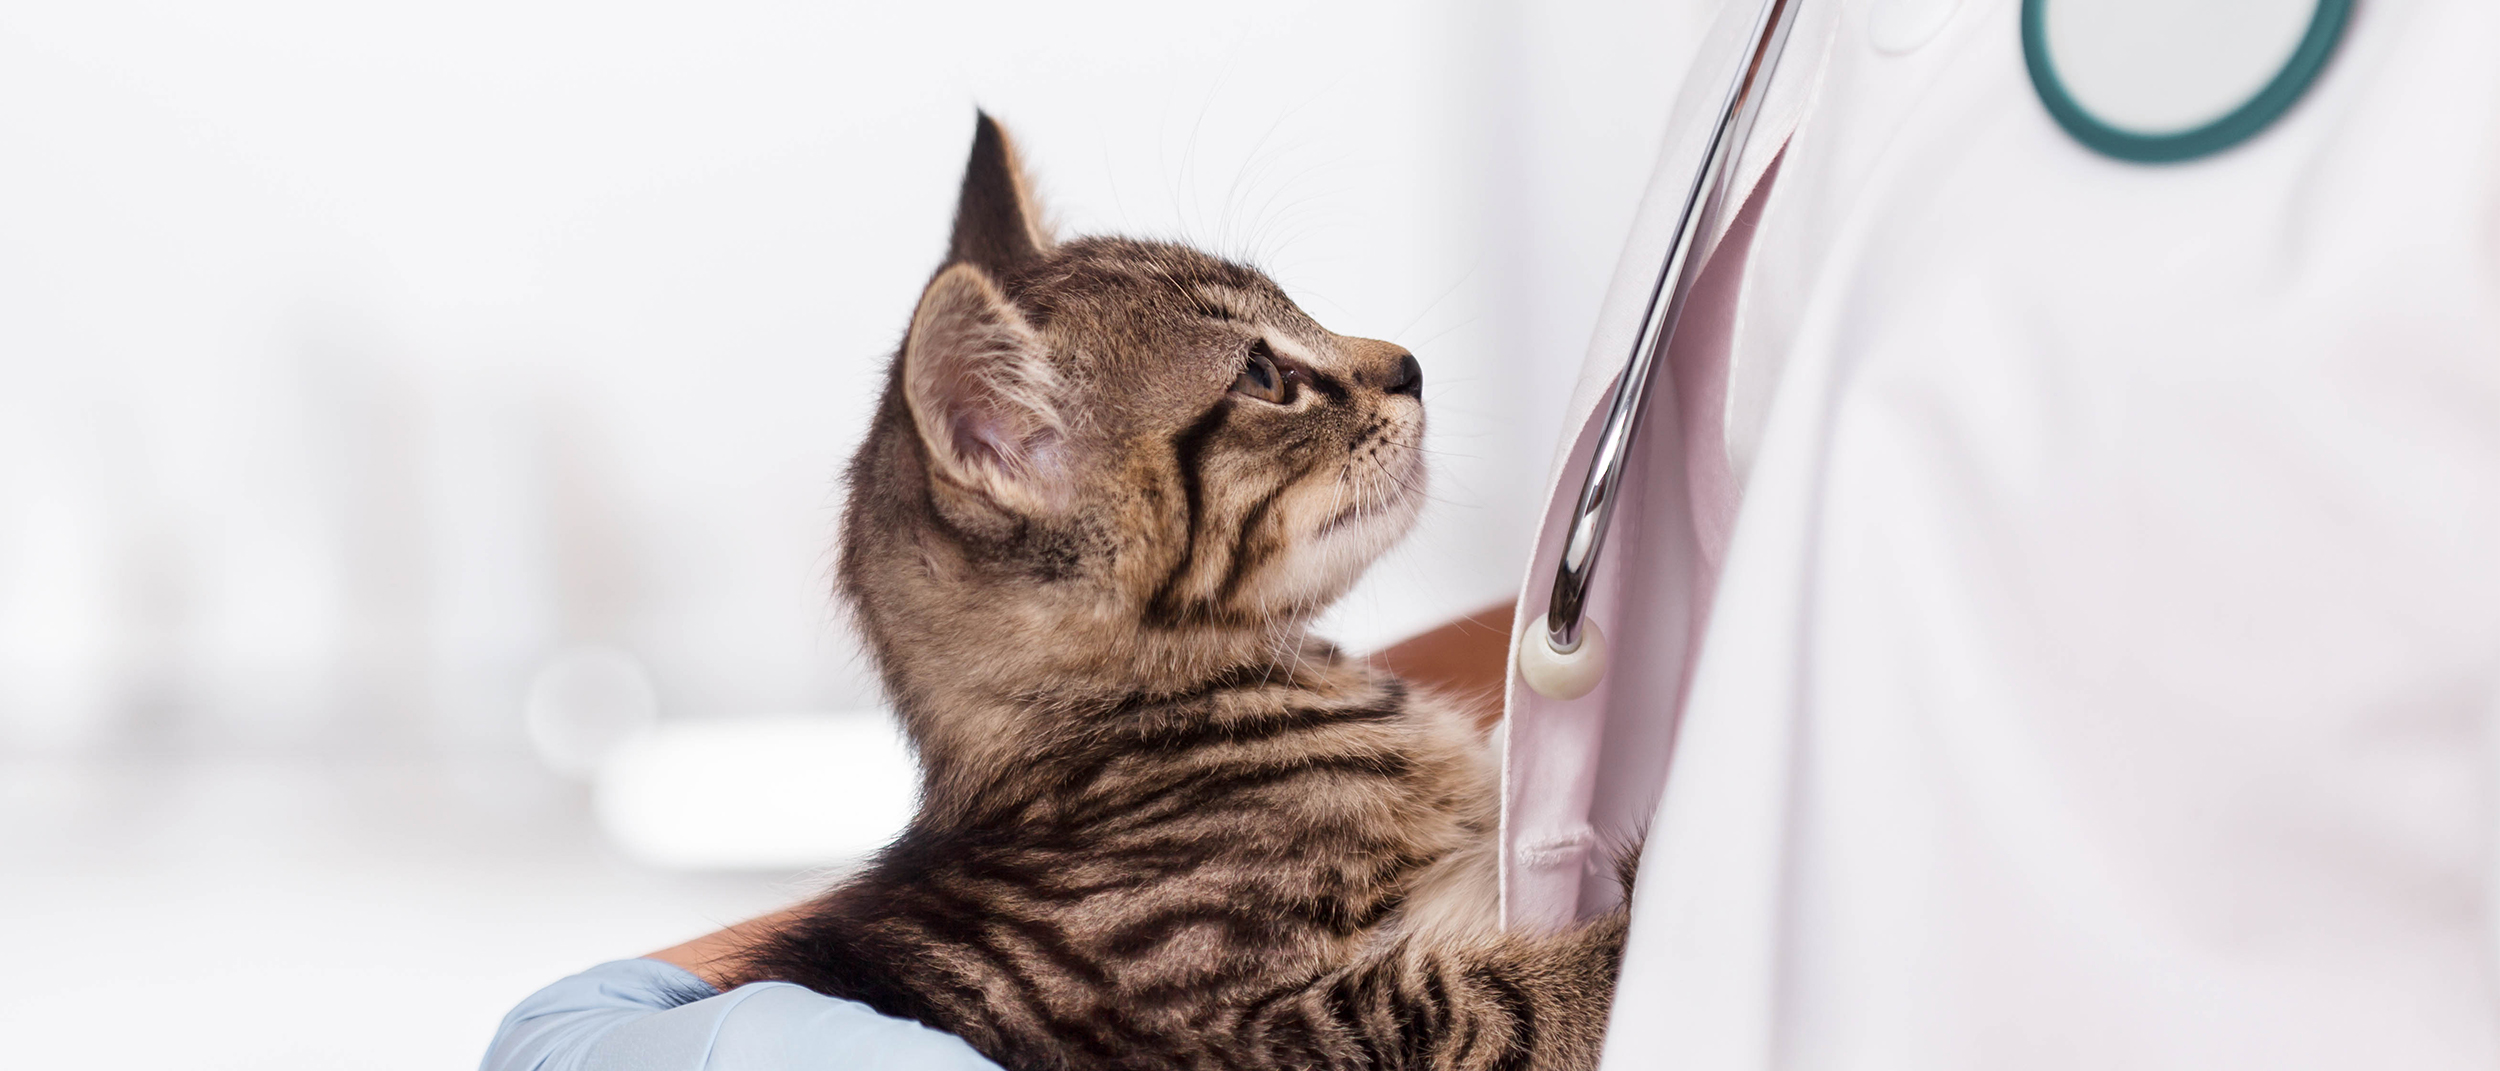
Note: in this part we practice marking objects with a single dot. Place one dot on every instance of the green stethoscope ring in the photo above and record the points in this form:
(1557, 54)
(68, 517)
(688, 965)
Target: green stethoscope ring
(2326, 28)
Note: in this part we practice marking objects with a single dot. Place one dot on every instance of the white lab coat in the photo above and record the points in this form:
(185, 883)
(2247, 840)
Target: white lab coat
(2056, 616)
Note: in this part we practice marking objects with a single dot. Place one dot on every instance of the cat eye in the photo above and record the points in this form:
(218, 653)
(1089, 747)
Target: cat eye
(1260, 378)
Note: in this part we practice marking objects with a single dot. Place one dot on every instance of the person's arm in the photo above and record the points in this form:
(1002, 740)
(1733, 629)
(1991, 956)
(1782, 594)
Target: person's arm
(713, 956)
(689, 1007)
(1467, 658)
(648, 1015)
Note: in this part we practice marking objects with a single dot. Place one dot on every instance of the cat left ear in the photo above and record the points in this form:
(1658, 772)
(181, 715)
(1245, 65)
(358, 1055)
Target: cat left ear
(981, 389)
(998, 224)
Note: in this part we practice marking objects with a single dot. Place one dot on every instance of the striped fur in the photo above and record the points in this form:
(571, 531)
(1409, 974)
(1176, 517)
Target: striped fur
(1161, 825)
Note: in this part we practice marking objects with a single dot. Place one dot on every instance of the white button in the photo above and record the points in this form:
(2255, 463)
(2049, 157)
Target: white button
(1558, 675)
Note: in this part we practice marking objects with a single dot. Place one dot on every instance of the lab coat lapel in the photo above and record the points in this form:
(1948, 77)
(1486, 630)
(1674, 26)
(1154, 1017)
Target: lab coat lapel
(1553, 750)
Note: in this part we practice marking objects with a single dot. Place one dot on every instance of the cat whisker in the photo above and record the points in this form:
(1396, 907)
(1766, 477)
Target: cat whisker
(1435, 303)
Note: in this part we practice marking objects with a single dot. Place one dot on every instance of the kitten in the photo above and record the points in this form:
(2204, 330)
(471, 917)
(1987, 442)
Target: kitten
(1162, 826)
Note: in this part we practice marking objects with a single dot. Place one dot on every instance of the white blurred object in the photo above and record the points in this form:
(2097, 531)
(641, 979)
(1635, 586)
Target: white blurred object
(499, 338)
(585, 704)
(56, 629)
(765, 792)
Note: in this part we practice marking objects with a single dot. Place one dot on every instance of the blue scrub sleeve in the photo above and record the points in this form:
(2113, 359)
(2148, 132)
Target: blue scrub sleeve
(636, 1015)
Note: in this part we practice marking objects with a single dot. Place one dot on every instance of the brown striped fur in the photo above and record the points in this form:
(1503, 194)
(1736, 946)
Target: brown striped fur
(1162, 826)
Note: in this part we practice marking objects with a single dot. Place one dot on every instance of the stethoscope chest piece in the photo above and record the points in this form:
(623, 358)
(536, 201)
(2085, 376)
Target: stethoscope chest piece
(2159, 81)
(1558, 674)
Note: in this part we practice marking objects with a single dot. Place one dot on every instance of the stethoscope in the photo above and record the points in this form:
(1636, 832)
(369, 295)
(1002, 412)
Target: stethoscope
(1563, 654)
(2099, 87)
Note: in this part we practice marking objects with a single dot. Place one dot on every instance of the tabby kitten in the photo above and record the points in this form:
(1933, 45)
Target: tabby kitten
(1162, 826)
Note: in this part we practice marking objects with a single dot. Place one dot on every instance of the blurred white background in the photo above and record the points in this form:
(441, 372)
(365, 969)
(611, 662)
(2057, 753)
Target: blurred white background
(401, 405)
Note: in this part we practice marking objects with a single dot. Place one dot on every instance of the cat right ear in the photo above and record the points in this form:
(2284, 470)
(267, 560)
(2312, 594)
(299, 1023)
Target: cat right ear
(998, 224)
(983, 393)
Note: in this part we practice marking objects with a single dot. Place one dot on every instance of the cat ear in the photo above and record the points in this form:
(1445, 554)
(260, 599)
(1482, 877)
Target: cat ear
(998, 224)
(983, 393)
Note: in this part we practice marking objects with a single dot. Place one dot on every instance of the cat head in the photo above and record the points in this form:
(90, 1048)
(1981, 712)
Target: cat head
(1116, 457)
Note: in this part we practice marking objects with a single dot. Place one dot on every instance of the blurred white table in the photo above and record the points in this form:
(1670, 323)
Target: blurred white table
(310, 912)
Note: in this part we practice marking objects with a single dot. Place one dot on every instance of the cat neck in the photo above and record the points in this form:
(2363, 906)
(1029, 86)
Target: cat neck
(975, 700)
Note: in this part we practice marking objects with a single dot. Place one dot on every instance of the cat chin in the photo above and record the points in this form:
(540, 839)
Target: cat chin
(1325, 563)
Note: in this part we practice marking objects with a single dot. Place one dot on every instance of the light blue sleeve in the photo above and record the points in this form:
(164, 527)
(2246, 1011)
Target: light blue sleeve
(626, 1016)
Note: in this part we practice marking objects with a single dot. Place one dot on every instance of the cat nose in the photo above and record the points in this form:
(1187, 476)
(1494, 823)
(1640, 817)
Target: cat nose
(1407, 379)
